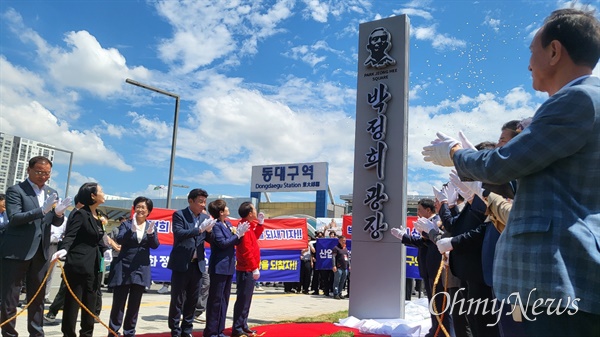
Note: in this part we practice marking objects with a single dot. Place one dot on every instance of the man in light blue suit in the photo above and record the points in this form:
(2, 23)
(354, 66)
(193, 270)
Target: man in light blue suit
(549, 253)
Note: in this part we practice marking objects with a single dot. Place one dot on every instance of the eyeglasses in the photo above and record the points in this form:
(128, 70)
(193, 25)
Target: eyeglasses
(42, 173)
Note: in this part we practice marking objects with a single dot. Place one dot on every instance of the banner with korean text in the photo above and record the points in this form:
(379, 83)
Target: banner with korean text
(280, 246)
(324, 259)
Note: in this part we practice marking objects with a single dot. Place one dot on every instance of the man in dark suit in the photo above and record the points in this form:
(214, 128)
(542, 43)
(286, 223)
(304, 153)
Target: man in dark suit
(429, 261)
(31, 208)
(190, 227)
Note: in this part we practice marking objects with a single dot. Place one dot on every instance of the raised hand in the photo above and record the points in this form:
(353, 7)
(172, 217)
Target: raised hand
(49, 203)
(438, 152)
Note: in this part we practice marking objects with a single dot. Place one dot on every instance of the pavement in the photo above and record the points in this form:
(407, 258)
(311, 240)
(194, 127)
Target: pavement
(269, 306)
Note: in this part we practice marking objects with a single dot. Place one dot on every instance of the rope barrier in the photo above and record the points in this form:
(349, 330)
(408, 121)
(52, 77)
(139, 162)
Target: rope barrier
(435, 310)
(64, 276)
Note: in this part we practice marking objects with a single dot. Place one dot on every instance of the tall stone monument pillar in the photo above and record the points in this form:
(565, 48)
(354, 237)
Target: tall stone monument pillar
(379, 194)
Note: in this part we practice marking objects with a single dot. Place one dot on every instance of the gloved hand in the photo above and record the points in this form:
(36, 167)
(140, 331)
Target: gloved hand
(207, 225)
(466, 144)
(397, 232)
(439, 151)
(62, 206)
(58, 255)
(255, 274)
(441, 195)
(444, 245)
(150, 229)
(242, 228)
(261, 218)
(462, 188)
(424, 225)
(474, 187)
(49, 203)
(452, 194)
(133, 219)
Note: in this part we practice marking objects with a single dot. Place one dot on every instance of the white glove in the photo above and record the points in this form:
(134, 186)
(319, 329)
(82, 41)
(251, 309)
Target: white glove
(462, 188)
(255, 274)
(261, 218)
(49, 203)
(440, 195)
(424, 225)
(397, 232)
(58, 255)
(150, 229)
(62, 206)
(439, 151)
(466, 144)
(473, 187)
(207, 225)
(444, 245)
(452, 194)
(242, 228)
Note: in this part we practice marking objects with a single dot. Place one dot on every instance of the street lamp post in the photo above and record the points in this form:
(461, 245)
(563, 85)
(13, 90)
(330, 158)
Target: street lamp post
(174, 142)
(70, 163)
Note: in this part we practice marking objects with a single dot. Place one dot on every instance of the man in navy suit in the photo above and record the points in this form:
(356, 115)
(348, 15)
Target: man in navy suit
(191, 227)
(549, 252)
(24, 245)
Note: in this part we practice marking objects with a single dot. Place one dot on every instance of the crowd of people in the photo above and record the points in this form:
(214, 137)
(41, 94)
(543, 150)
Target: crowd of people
(35, 232)
(526, 243)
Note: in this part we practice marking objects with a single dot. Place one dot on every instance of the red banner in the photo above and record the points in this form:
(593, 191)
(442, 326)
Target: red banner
(289, 233)
(347, 225)
(278, 233)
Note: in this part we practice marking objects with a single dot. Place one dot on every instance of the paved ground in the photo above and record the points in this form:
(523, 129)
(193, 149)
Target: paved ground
(272, 305)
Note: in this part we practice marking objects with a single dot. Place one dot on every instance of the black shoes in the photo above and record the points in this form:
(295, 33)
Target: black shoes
(49, 317)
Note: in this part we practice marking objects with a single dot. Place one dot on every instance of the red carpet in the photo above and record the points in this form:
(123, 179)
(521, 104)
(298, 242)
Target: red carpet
(287, 330)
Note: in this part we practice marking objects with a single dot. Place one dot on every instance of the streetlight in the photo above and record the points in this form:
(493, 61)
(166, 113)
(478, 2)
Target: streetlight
(70, 163)
(160, 91)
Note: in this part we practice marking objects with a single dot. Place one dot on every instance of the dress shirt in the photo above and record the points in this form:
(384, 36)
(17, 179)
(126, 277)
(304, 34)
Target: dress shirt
(39, 192)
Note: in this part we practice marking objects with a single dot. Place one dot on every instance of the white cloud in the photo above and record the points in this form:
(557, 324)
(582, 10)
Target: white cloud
(438, 40)
(89, 66)
(22, 115)
(493, 23)
(227, 30)
(415, 12)
(86, 64)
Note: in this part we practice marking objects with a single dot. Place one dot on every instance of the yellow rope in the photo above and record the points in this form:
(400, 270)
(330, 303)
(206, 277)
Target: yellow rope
(435, 282)
(62, 270)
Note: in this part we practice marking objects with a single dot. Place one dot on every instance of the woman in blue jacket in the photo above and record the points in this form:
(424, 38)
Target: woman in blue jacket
(131, 269)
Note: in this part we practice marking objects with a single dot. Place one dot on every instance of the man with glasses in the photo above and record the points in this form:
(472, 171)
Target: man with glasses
(32, 208)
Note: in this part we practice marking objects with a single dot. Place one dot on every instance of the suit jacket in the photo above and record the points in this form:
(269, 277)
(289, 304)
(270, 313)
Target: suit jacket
(83, 242)
(552, 238)
(28, 227)
(132, 265)
(186, 240)
(465, 264)
(222, 249)
(428, 255)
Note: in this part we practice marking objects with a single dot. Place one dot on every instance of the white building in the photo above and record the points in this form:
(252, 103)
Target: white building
(15, 153)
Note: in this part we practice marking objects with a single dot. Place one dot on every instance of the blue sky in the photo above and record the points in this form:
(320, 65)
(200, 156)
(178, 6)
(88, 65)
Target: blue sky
(261, 82)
